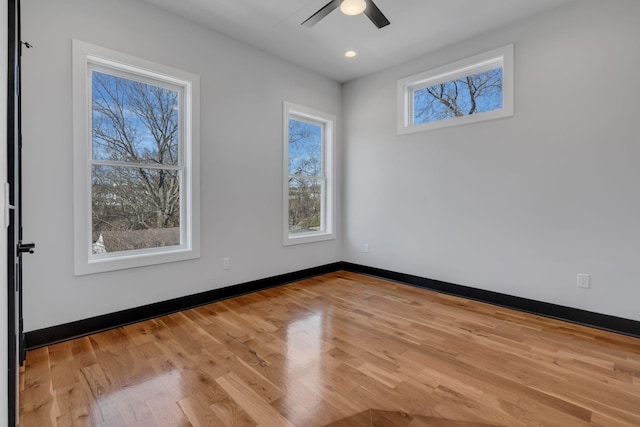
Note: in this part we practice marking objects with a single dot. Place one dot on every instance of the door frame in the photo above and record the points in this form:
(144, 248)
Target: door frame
(15, 333)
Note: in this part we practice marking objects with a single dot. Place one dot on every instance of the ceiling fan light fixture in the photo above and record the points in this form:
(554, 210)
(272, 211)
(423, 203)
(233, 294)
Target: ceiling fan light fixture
(353, 7)
(349, 7)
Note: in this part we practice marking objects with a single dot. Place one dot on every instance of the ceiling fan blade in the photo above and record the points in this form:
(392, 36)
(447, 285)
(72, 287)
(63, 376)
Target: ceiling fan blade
(327, 9)
(376, 16)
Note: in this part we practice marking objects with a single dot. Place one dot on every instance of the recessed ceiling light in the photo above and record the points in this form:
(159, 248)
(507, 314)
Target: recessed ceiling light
(350, 53)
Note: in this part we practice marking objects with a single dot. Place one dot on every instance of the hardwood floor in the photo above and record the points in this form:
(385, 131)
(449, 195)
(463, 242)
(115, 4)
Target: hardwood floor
(338, 350)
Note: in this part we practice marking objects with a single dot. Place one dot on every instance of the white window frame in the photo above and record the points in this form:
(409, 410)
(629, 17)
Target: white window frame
(500, 57)
(328, 205)
(87, 57)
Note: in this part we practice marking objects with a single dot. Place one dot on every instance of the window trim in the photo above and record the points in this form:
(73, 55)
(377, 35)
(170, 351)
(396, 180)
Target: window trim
(85, 58)
(328, 214)
(502, 56)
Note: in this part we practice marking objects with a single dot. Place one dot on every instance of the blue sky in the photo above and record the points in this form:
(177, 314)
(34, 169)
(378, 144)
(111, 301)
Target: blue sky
(305, 146)
(104, 87)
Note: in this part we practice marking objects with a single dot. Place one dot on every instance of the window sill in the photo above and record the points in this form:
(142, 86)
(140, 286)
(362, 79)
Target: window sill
(308, 238)
(142, 259)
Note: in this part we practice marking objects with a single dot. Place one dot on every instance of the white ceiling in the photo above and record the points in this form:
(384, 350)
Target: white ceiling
(417, 27)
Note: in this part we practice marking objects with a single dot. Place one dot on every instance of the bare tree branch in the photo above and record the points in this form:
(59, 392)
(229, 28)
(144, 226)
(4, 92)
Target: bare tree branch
(466, 96)
(138, 123)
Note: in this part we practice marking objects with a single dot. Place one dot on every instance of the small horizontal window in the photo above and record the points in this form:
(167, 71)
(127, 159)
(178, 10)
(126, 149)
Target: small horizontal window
(474, 89)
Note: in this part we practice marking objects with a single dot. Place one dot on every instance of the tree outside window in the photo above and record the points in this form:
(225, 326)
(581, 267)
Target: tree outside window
(477, 93)
(309, 208)
(135, 173)
(305, 176)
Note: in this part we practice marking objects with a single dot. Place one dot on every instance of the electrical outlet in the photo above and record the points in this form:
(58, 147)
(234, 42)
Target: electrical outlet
(584, 281)
(365, 248)
(226, 263)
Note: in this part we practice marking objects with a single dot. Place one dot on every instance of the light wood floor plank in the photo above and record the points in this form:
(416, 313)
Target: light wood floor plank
(338, 350)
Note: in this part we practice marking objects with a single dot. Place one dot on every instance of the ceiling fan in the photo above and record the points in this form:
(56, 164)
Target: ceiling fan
(350, 7)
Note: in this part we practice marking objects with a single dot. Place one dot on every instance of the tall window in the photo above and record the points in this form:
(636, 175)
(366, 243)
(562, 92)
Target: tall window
(474, 89)
(135, 177)
(308, 175)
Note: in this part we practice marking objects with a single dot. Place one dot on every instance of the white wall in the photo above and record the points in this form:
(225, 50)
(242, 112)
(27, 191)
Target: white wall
(4, 304)
(242, 91)
(517, 205)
